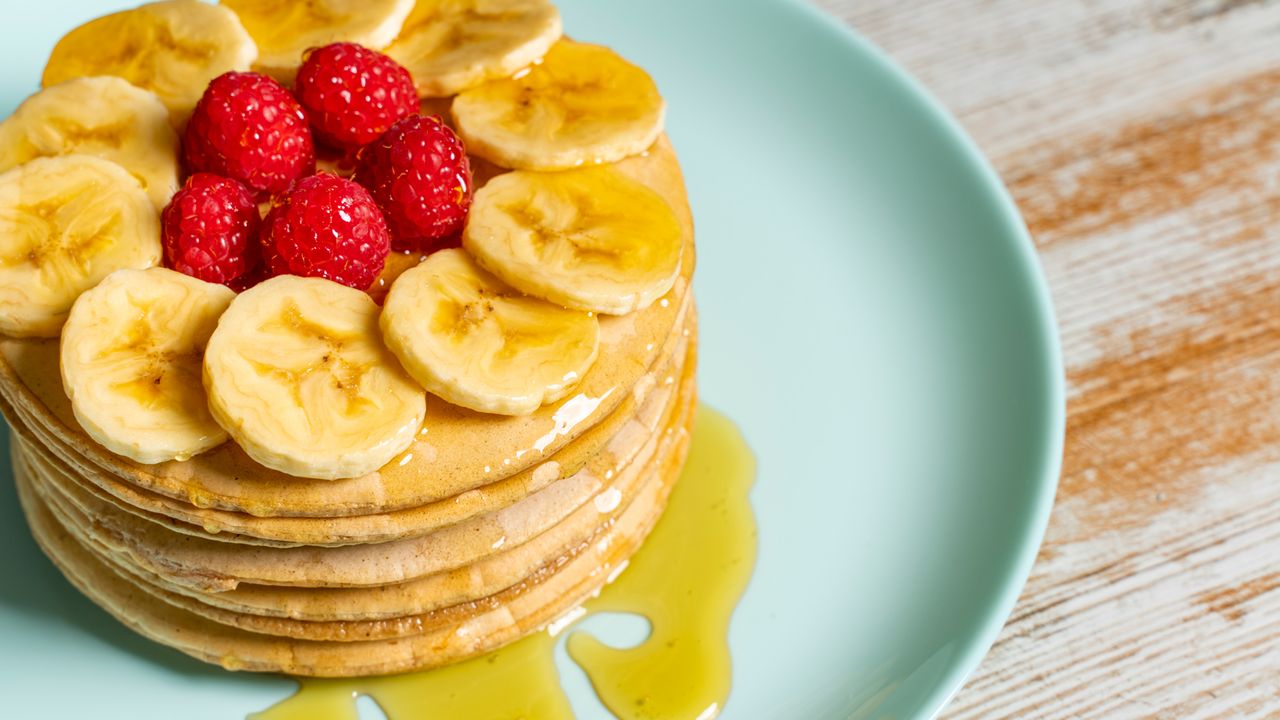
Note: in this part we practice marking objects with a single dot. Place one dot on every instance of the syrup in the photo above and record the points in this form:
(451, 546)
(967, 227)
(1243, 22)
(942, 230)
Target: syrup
(686, 580)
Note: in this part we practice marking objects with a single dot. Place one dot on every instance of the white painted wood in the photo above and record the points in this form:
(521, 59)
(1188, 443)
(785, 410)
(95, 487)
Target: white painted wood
(1141, 138)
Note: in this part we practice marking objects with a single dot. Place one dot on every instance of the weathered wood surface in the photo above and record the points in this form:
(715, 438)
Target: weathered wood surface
(1141, 139)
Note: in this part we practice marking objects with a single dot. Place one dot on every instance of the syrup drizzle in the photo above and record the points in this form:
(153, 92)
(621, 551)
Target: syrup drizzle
(686, 580)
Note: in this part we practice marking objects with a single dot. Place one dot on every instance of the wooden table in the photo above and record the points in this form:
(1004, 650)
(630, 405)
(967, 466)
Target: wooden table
(1141, 139)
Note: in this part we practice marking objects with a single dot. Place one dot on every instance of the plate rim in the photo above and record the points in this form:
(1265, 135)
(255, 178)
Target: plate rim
(973, 646)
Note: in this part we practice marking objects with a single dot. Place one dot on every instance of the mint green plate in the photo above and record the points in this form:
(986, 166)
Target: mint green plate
(873, 317)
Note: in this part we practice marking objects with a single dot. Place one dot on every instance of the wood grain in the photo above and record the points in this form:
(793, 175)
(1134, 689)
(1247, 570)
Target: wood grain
(1141, 139)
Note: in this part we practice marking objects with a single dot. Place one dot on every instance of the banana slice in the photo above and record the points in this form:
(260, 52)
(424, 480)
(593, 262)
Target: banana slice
(103, 116)
(131, 353)
(480, 344)
(582, 104)
(298, 376)
(172, 48)
(451, 45)
(65, 224)
(286, 30)
(590, 239)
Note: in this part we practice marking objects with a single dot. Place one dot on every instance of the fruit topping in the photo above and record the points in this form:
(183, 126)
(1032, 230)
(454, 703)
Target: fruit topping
(249, 128)
(172, 48)
(326, 227)
(103, 116)
(286, 29)
(66, 223)
(479, 343)
(353, 94)
(455, 45)
(592, 239)
(419, 174)
(131, 354)
(298, 376)
(583, 104)
(210, 230)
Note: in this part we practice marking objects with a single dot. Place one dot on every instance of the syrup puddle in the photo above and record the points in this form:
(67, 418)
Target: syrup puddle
(686, 580)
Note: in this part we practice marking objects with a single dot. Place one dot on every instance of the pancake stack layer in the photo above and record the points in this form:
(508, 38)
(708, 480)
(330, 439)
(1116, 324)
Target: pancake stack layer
(484, 529)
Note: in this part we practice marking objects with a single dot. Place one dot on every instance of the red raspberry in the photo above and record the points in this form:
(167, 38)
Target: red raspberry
(353, 94)
(326, 227)
(210, 230)
(249, 128)
(420, 175)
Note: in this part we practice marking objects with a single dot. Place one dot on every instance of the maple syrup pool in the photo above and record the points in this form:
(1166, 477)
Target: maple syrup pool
(685, 580)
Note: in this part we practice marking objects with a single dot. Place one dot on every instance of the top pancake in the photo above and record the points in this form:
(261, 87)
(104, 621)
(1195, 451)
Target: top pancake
(456, 451)
(592, 452)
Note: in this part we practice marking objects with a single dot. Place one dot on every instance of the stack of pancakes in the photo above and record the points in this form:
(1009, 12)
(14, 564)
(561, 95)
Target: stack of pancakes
(486, 529)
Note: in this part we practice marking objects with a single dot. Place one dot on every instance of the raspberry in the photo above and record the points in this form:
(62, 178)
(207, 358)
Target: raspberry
(210, 230)
(326, 227)
(419, 174)
(249, 128)
(353, 94)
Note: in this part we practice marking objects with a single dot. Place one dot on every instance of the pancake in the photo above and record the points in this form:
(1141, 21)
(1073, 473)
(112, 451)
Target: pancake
(485, 529)
(495, 572)
(511, 614)
(214, 565)
(432, 592)
(458, 451)
(395, 626)
(595, 523)
(57, 463)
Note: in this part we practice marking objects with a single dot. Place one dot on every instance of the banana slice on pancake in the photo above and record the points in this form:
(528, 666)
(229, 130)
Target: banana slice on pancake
(451, 45)
(131, 354)
(476, 342)
(591, 239)
(172, 48)
(103, 116)
(65, 224)
(284, 30)
(297, 374)
(583, 104)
